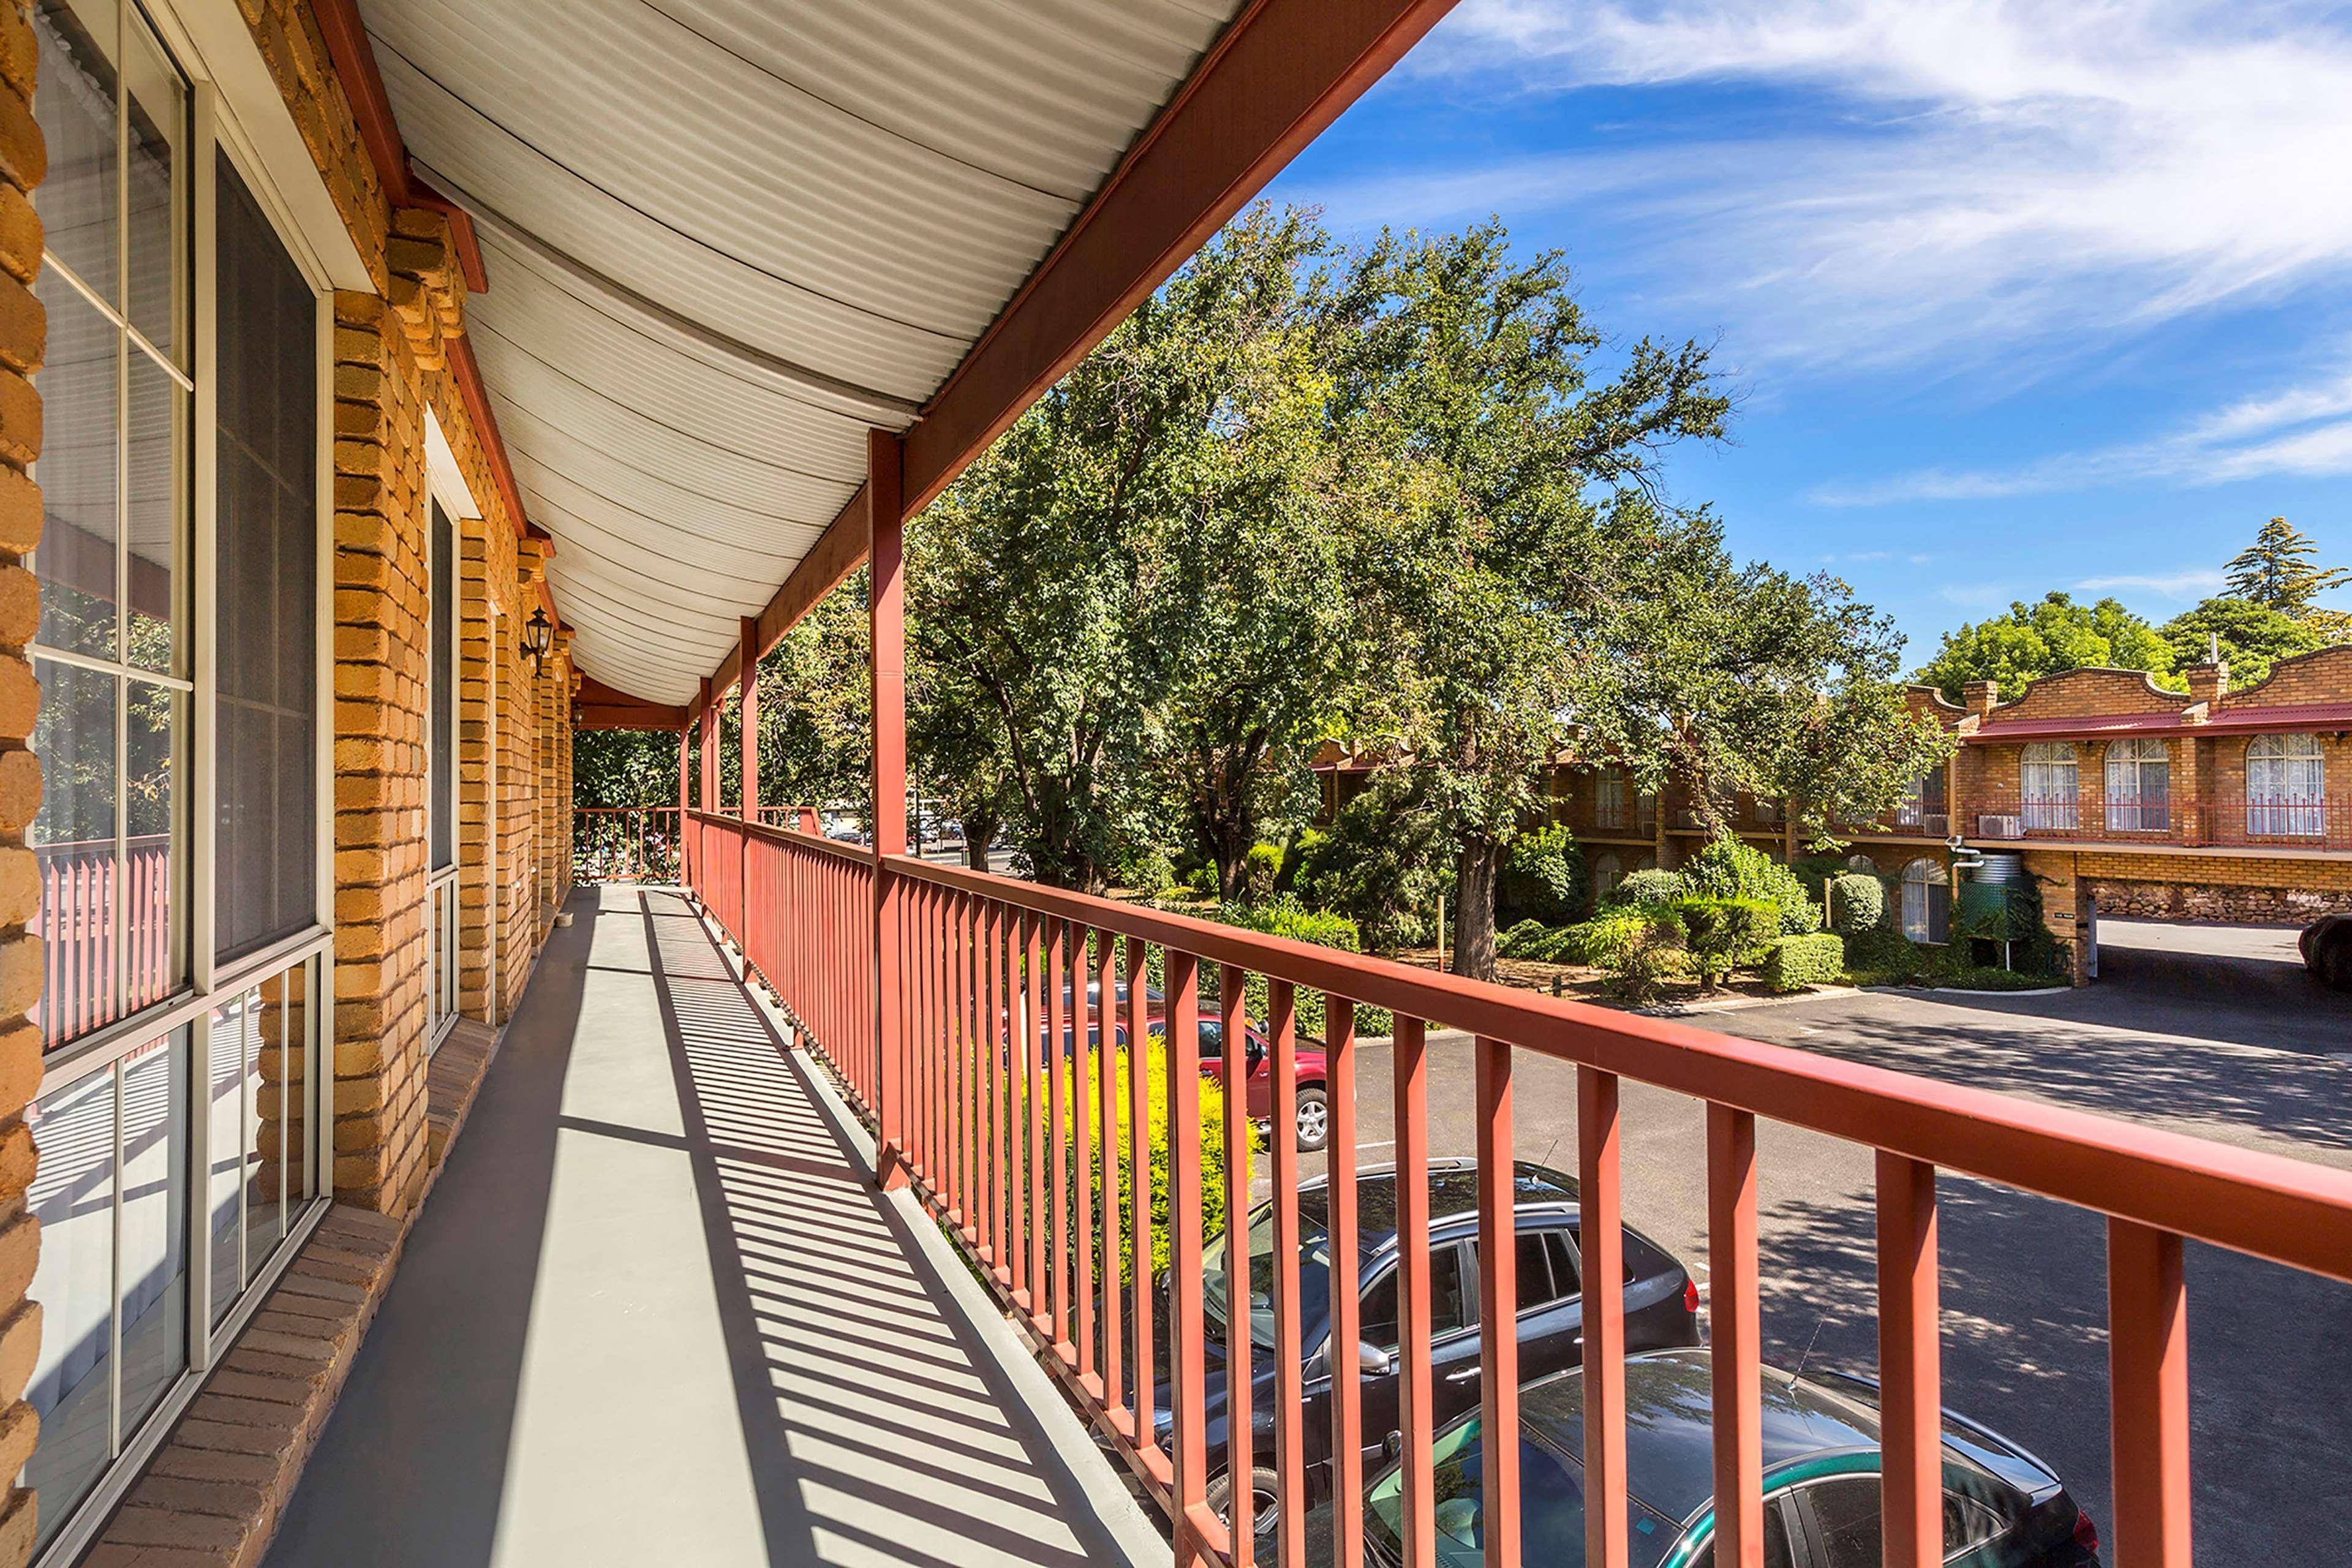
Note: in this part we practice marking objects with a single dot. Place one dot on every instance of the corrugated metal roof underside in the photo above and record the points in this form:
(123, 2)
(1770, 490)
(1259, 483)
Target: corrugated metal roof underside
(726, 237)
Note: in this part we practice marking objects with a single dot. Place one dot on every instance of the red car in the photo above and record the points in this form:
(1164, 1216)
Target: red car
(1313, 1118)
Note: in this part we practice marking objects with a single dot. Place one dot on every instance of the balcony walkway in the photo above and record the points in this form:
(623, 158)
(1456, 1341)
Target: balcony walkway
(655, 1312)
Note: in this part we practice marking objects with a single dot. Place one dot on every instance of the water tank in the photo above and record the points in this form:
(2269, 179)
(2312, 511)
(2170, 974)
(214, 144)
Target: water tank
(2000, 868)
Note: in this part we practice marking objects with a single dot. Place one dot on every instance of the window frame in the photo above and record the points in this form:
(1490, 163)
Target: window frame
(2279, 813)
(2045, 808)
(2130, 806)
(1939, 875)
(223, 65)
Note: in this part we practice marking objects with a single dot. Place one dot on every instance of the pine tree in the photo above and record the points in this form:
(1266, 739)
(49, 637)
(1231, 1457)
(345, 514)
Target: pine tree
(2277, 571)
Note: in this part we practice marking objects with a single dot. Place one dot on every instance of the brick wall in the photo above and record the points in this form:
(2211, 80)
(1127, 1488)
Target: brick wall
(382, 663)
(2079, 693)
(2218, 887)
(22, 337)
(2325, 676)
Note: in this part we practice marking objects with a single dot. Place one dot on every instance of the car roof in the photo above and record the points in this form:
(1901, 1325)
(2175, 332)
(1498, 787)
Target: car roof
(1669, 1435)
(1452, 1195)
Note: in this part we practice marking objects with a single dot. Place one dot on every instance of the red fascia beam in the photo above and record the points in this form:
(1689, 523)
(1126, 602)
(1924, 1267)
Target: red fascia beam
(1275, 78)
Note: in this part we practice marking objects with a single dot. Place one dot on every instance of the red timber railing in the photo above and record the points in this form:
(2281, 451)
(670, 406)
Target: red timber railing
(81, 931)
(993, 1151)
(625, 844)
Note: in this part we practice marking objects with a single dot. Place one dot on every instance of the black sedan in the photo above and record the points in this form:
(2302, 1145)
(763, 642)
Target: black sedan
(1661, 1310)
(2003, 1507)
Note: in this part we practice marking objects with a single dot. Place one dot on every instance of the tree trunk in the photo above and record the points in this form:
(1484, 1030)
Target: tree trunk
(1475, 872)
(979, 838)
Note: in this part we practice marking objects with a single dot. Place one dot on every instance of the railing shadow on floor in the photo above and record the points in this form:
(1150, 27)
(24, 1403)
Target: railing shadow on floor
(870, 1410)
(486, 1422)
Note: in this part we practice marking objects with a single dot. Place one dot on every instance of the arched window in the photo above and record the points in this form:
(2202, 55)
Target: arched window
(2287, 786)
(2047, 779)
(1862, 863)
(1926, 906)
(1606, 872)
(2140, 786)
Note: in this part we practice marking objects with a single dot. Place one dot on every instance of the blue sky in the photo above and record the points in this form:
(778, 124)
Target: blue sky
(2015, 296)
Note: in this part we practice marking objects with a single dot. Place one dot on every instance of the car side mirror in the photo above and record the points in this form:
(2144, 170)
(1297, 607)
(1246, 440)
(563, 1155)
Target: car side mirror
(1373, 1360)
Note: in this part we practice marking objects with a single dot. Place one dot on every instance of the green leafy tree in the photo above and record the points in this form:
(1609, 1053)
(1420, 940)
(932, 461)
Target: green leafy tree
(1139, 580)
(1749, 678)
(1514, 483)
(623, 768)
(2279, 571)
(2251, 638)
(2044, 638)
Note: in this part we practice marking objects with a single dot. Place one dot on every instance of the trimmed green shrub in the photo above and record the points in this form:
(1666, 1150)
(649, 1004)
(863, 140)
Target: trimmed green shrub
(1723, 933)
(1650, 887)
(1543, 872)
(1022, 1095)
(1809, 958)
(1857, 902)
(1202, 879)
(1728, 868)
(1515, 941)
(1651, 955)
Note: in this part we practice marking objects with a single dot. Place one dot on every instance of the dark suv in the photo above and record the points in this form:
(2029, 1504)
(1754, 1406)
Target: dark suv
(1661, 1311)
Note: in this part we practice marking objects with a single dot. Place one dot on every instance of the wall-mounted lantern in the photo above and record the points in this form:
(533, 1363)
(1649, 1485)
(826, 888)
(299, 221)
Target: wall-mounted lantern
(538, 637)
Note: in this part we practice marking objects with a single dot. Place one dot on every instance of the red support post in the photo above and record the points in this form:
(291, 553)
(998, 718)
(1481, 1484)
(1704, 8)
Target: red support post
(685, 800)
(886, 619)
(2148, 1354)
(751, 737)
(1910, 1363)
(1734, 1333)
(1499, 1301)
(1602, 1236)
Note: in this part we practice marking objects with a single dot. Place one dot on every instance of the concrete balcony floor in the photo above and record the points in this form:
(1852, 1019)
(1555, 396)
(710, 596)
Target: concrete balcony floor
(656, 1311)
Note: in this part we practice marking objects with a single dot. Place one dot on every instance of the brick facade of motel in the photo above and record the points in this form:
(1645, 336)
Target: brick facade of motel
(390, 365)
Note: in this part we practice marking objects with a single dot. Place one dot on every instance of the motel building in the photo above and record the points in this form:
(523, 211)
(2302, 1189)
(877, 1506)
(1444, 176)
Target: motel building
(390, 388)
(2112, 794)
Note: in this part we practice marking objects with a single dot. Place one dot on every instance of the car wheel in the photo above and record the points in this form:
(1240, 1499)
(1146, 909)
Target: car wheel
(1313, 1120)
(1266, 1499)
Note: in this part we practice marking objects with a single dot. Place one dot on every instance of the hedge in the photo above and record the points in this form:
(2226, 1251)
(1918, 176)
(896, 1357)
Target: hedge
(1857, 902)
(1282, 917)
(1794, 962)
(1724, 933)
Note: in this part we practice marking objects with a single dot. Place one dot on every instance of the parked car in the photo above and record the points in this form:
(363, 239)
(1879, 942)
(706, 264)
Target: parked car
(1661, 1310)
(2326, 944)
(2003, 1507)
(1312, 1115)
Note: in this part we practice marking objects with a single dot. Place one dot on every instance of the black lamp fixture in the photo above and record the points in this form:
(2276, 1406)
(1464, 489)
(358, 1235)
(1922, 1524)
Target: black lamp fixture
(538, 637)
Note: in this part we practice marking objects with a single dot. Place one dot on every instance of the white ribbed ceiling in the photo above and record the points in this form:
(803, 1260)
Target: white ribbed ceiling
(726, 237)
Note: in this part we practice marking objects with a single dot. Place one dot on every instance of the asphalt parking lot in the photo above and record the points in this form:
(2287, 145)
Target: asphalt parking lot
(2024, 1278)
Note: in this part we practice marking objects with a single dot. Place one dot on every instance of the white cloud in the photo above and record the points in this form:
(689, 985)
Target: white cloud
(1979, 171)
(2303, 431)
(2193, 584)
(1977, 595)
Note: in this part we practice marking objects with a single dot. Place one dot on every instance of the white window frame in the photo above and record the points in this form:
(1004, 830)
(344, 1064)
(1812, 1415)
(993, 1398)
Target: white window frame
(2136, 800)
(235, 108)
(2292, 802)
(2050, 782)
(445, 483)
(1934, 877)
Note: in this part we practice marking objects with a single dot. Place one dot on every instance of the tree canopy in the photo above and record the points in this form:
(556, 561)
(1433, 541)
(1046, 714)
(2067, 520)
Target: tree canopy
(2044, 638)
(2251, 638)
(2279, 571)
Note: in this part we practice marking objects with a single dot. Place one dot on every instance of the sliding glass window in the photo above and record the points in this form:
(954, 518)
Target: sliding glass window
(112, 650)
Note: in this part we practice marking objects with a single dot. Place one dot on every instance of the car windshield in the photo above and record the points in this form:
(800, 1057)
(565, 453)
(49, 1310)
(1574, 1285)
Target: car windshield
(1551, 1506)
(1314, 1278)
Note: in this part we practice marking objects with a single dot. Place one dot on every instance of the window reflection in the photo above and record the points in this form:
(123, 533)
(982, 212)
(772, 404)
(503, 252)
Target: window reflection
(72, 1196)
(154, 1224)
(73, 841)
(75, 107)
